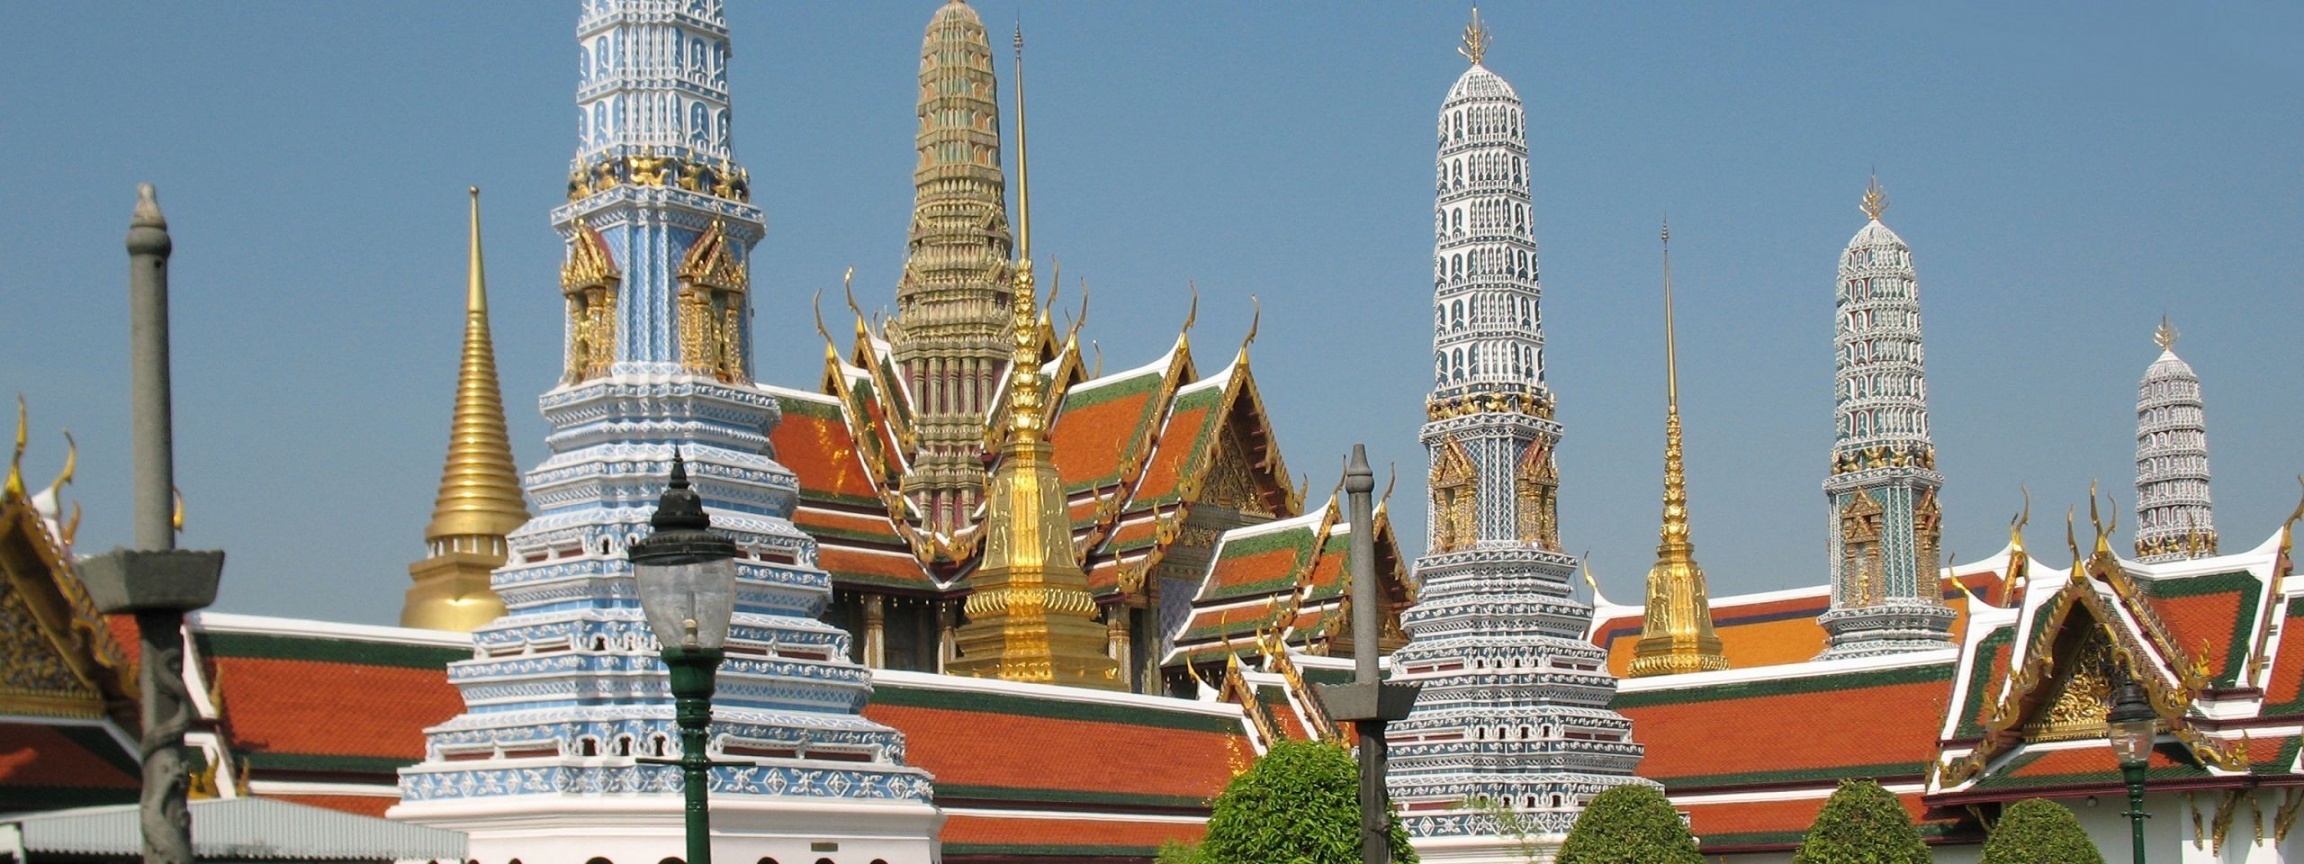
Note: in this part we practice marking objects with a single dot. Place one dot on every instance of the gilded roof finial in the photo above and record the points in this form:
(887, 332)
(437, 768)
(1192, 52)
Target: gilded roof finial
(1476, 39)
(23, 437)
(2165, 337)
(1875, 199)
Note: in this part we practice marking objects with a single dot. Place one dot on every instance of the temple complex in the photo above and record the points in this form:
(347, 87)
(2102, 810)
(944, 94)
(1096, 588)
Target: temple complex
(1149, 468)
(998, 605)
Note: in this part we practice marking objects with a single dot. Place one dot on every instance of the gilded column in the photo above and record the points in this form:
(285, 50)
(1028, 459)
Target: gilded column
(951, 330)
(1676, 630)
(1885, 523)
(479, 500)
(2175, 517)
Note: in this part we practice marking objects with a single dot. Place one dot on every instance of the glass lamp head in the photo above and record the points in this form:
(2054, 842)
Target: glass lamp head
(2132, 725)
(685, 572)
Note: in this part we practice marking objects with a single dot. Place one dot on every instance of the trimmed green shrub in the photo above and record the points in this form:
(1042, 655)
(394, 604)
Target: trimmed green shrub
(1630, 824)
(1862, 824)
(1300, 804)
(2040, 831)
(1177, 852)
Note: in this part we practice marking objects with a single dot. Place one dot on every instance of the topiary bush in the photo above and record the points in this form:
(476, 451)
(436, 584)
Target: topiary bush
(1177, 852)
(1630, 824)
(2039, 831)
(1862, 824)
(1300, 804)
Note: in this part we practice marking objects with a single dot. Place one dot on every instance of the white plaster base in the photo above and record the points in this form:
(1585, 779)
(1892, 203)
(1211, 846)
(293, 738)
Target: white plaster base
(1487, 850)
(646, 829)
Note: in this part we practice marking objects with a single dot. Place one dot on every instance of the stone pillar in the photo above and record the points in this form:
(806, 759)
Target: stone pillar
(946, 647)
(875, 631)
(1117, 641)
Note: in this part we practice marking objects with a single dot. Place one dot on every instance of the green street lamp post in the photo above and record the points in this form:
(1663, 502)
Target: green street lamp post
(2131, 726)
(687, 580)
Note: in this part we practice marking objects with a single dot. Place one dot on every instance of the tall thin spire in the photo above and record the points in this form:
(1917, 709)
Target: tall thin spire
(2175, 514)
(1023, 158)
(479, 500)
(950, 334)
(1030, 617)
(1677, 634)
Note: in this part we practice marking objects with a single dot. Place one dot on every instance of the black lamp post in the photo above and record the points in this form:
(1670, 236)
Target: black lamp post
(687, 580)
(2131, 726)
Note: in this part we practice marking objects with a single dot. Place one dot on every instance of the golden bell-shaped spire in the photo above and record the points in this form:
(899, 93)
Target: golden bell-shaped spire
(479, 500)
(1030, 616)
(1676, 634)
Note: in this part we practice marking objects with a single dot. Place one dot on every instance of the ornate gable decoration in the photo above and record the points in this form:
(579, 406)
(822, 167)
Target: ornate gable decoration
(712, 262)
(1537, 486)
(590, 280)
(589, 264)
(60, 659)
(1455, 497)
(2051, 678)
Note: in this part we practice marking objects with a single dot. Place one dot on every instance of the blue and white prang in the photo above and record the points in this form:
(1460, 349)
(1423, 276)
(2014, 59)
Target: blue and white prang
(1514, 703)
(565, 695)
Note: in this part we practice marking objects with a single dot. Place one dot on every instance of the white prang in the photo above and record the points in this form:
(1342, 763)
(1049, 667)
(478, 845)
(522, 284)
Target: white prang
(2175, 517)
(1884, 523)
(1511, 734)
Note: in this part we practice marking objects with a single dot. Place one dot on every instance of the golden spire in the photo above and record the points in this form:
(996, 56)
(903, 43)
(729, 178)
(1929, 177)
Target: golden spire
(1023, 162)
(1676, 635)
(1030, 616)
(1875, 199)
(479, 500)
(1476, 39)
(2165, 337)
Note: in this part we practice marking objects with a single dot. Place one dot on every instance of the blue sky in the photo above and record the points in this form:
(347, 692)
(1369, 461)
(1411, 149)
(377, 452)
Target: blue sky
(2065, 173)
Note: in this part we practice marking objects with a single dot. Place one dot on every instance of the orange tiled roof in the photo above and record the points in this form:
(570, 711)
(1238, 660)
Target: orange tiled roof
(45, 767)
(1765, 630)
(2210, 618)
(2284, 693)
(1002, 749)
(1988, 665)
(303, 704)
(814, 442)
(1734, 734)
(1103, 426)
(1194, 415)
(974, 838)
(1763, 633)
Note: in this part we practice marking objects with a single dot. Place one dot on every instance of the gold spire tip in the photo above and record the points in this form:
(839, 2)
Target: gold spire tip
(1476, 39)
(475, 278)
(1671, 338)
(2165, 337)
(1875, 199)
